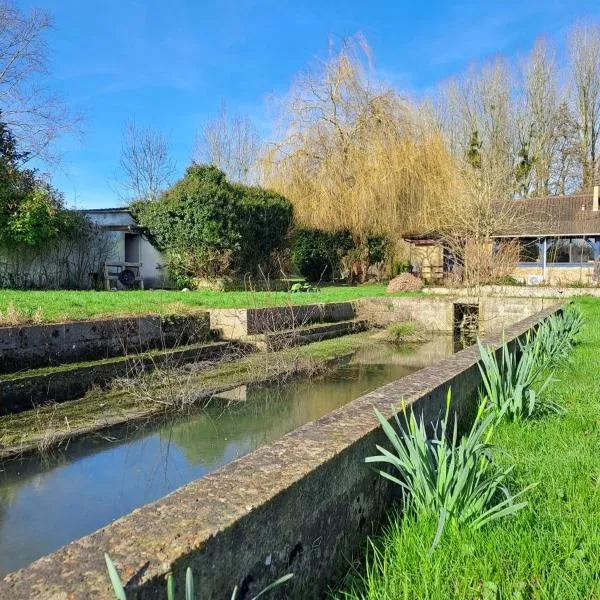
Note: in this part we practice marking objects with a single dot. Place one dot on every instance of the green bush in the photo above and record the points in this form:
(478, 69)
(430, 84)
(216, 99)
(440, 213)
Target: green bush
(32, 212)
(265, 219)
(317, 254)
(209, 227)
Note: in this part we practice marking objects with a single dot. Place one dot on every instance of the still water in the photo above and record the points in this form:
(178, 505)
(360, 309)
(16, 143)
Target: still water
(47, 503)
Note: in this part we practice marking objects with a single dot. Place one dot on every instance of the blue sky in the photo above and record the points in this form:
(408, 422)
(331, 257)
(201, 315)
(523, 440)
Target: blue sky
(169, 64)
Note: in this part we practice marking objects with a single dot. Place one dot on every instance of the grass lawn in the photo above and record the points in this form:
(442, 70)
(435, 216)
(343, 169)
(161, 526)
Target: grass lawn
(55, 306)
(551, 549)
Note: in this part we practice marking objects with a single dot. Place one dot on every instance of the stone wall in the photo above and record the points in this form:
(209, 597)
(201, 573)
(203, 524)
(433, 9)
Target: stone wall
(436, 313)
(23, 391)
(236, 323)
(303, 504)
(44, 345)
(514, 291)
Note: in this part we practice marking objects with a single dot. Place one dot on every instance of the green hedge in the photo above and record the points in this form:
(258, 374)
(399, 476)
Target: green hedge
(208, 227)
(317, 254)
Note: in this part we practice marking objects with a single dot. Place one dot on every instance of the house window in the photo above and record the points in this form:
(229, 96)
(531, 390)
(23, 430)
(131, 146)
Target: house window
(571, 251)
(530, 250)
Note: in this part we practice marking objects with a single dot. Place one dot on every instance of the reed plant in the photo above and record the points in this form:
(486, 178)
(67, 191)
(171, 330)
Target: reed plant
(559, 334)
(450, 477)
(514, 382)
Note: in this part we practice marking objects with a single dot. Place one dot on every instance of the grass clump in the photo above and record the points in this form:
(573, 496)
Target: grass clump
(454, 480)
(17, 315)
(404, 332)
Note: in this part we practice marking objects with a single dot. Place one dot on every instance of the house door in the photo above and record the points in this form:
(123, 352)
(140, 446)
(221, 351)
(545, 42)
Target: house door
(132, 248)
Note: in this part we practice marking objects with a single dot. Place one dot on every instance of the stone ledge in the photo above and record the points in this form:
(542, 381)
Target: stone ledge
(32, 346)
(303, 504)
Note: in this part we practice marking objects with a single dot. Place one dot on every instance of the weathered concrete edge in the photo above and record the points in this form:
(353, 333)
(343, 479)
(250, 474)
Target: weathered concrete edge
(34, 346)
(268, 513)
(24, 392)
(513, 291)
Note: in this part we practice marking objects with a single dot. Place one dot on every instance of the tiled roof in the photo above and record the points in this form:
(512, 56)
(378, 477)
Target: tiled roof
(552, 215)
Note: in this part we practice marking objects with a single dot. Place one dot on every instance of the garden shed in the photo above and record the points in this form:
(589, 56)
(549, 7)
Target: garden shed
(133, 260)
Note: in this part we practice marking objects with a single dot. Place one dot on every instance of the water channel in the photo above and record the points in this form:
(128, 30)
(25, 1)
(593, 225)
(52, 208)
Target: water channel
(46, 503)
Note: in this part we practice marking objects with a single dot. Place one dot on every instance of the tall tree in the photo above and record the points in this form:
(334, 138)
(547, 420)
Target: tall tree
(35, 114)
(538, 117)
(353, 155)
(232, 144)
(146, 167)
(584, 51)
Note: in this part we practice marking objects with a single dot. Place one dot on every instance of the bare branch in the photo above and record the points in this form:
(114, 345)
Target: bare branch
(146, 168)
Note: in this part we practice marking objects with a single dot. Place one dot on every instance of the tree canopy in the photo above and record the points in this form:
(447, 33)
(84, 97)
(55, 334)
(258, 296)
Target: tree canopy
(209, 227)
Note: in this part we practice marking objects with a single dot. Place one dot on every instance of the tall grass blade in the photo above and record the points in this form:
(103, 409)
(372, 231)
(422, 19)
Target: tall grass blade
(115, 579)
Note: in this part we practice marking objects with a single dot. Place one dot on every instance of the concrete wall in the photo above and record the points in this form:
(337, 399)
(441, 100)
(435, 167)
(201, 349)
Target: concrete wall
(303, 504)
(513, 291)
(242, 322)
(436, 313)
(557, 276)
(25, 391)
(41, 345)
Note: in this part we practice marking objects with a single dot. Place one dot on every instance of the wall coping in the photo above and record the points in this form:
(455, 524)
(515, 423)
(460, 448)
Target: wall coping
(146, 543)
(512, 291)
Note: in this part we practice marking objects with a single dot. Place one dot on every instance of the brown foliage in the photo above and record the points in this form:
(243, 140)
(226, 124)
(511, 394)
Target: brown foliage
(353, 154)
(405, 282)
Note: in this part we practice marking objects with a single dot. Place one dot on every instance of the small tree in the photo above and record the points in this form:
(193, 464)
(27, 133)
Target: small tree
(209, 227)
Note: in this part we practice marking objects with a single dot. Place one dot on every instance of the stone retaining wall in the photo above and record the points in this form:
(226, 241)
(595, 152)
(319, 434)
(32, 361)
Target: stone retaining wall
(510, 291)
(236, 323)
(303, 504)
(35, 346)
(28, 390)
(437, 313)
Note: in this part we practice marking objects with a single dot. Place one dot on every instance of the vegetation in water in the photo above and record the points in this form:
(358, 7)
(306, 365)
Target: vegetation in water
(405, 332)
(190, 593)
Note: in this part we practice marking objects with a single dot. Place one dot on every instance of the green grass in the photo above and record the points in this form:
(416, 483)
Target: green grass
(549, 550)
(56, 306)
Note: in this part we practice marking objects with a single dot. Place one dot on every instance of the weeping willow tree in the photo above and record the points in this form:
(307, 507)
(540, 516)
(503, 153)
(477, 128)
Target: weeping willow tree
(353, 155)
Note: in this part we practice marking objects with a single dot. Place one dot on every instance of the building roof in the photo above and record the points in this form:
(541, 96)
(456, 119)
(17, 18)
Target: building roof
(550, 216)
(120, 209)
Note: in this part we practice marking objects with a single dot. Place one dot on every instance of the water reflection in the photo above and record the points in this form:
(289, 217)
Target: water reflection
(45, 504)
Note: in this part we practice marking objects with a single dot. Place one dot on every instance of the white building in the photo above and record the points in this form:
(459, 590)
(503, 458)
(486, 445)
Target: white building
(133, 260)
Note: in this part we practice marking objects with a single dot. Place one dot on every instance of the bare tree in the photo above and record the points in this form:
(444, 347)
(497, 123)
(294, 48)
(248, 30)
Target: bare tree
(35, 114)
(538, 119)
(480, 108)
(584, 50)
(146, 167)
(231, 143)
